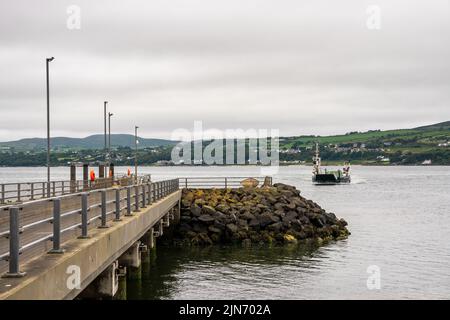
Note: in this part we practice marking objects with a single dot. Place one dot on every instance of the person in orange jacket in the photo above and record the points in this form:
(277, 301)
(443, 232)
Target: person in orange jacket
(92, 175)
(129, 172)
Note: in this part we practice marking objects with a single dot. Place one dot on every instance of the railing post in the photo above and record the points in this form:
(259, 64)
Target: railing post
(150, 198)
(84, 216)
(31, 191)
(3, 194)
(159, 190)
(185, 183)
(103, 216)
(144, 201)
(18, 192)
(56, 227)
(152, 192)
(62, 187)
(118, 203)
(136, 198)
(128, 201)
(43, 190)
(14, 245)
(226, 183)
(54, 188)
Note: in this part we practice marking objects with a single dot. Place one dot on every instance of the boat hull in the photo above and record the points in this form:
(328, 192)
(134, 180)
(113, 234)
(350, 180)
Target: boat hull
(330, 179)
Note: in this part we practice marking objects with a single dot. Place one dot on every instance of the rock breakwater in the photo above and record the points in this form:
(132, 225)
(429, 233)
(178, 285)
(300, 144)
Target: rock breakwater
(276, 214)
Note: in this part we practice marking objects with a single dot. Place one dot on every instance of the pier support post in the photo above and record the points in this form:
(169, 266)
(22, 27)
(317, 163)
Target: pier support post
(161, 227)
(122, 290)
(105, 285)
(149, 239)
(177, 212)
(131, 257)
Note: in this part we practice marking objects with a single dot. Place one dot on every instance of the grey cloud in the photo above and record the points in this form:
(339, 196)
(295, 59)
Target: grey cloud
(305, 68)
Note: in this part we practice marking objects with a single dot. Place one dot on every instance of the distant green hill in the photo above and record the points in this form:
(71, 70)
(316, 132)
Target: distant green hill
(92, 142)
(425, 137)
(437, 126)
(403, 146)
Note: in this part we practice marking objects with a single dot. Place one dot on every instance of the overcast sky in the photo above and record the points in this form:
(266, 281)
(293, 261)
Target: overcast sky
(303, 67)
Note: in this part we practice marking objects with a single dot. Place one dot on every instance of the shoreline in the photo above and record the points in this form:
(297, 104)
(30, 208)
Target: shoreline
(324, 163)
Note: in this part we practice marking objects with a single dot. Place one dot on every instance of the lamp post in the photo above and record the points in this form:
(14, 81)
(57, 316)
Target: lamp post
(104, 118)
(109, 135)
(135, 152)
(48, 60)
(106, 145)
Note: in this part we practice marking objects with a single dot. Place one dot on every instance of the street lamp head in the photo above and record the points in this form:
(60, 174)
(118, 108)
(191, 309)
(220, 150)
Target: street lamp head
(110, 114)
(50, 59)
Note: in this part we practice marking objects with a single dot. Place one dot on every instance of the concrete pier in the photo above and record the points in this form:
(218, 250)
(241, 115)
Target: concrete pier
(92, 263)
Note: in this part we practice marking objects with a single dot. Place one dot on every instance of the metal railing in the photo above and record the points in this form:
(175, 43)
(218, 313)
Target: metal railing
(220, 182)
(29, 191)
(27, 230)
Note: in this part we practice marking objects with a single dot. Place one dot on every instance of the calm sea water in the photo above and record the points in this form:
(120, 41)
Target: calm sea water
(399, 218)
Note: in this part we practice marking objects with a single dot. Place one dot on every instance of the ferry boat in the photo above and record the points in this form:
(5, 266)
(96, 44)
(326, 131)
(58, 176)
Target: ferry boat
(329, 177)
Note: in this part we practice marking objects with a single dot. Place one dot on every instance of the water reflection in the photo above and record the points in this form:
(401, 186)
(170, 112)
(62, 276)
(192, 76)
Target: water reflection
(168, 268)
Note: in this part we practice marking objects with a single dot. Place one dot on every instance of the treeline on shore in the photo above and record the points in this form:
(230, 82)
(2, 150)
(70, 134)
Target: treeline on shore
(146, 157)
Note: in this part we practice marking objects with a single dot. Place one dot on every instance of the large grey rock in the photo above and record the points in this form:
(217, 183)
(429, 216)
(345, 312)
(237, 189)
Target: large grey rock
(267, 218)
(254, 223)
(279, 206)
(208, 210)
(247, 216)
(214, 229)
(196, 210)
(277, 226)
(290, 216)
(206, 218)
(222, 208)
(232, 227)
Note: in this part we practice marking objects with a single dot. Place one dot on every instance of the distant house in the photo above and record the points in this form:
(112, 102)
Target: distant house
(164, 163)
(289, 151)
(426, 162)
(383, 159)
(387, 144)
